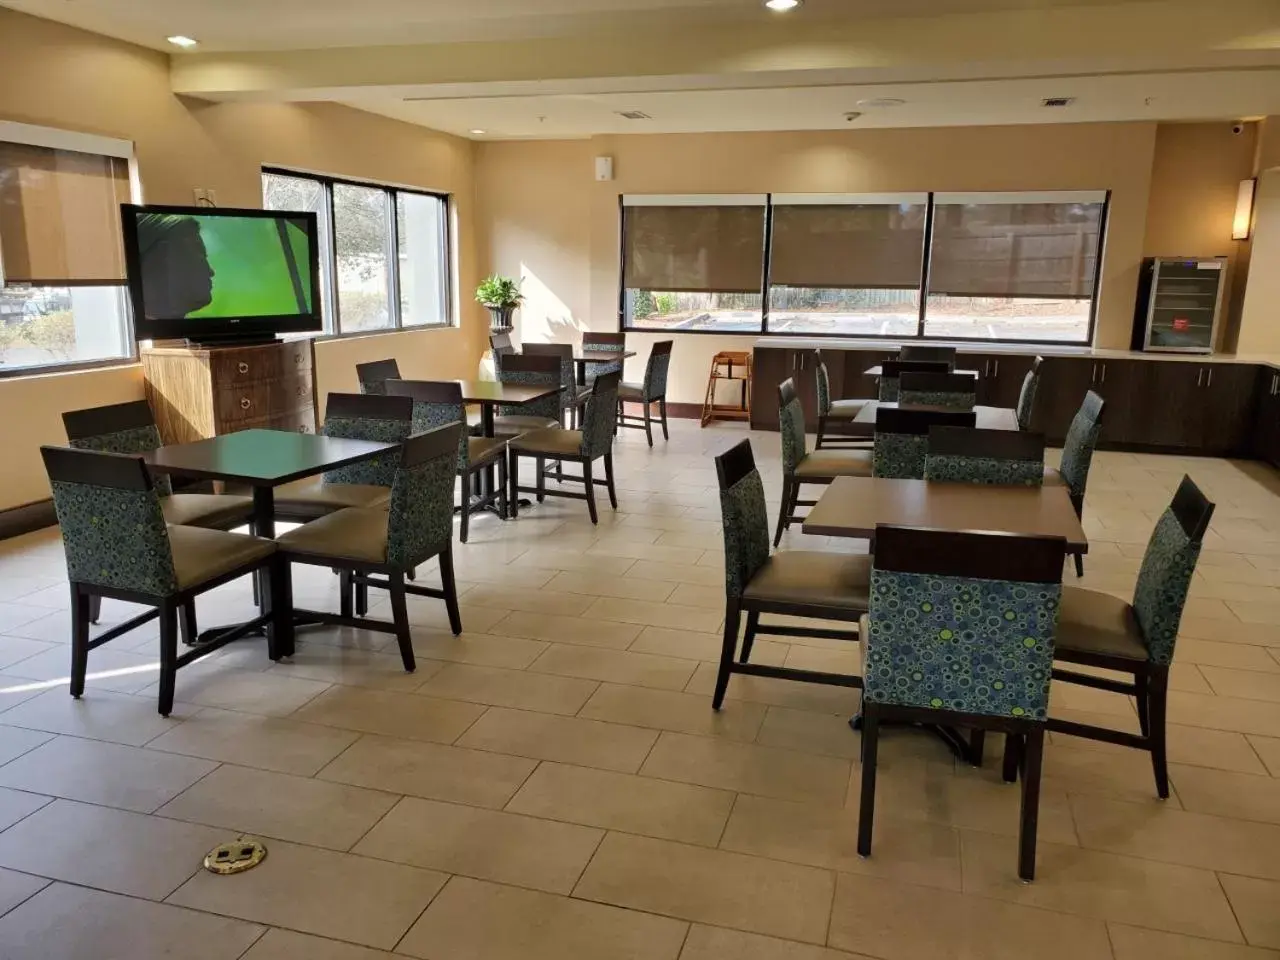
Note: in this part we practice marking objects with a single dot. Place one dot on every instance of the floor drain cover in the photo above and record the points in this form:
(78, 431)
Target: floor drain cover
(235, 857)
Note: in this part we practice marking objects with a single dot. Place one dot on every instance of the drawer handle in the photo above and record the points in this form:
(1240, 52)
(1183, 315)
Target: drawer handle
(242, 367)
(304, 429)
(245, 403)
(297, 358)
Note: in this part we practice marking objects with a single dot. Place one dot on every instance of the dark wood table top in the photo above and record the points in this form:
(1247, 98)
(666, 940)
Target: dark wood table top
(852, 506)
(985, 418)
(601, 356)
(878, 370)
(261, 458)
(494, 391)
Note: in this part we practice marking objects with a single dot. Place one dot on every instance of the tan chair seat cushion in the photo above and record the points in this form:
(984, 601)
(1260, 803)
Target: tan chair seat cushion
(484, 449)
(1092, 622)
(313, 497)
(200, 554)
(631, 391)
(352, 534)
(206, 509)
(1053, 477)
(816, 579)
(515, 425)
(824, 464)
(846, 409)
(554, 443)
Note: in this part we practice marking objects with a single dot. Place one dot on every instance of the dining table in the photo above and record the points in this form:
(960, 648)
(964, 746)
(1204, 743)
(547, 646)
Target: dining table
(583, 357)
(985, 418)
(489, 395)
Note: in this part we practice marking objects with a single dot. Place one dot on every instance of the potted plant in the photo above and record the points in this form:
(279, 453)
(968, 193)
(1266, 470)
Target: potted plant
(501, 295)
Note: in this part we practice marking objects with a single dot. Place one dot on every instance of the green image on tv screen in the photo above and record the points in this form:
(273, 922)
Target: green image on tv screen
(223, 266)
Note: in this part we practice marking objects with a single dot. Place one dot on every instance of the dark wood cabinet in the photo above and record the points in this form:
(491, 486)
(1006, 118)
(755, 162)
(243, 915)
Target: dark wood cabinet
(1266, 419)
(1000, 376)
(769, 367)
(1063, 383)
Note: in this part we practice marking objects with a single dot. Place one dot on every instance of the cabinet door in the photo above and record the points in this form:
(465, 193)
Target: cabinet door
(1169, 408)
(769, 367)
(1063, 383)
(1229, 390)
(1120, 384)
(1266, 420)
(1002, 379)
(857, 385)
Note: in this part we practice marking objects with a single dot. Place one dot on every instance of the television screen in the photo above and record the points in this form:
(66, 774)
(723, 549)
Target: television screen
(202, 273)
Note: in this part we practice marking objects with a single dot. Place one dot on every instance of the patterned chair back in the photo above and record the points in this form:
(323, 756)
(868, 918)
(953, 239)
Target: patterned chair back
(891, 370)
(1077, 449)
(742, 510)
(1027, 395)
(967, 455)
(823, 379)
(568, 378)
(362, 416)
(791, 427)
(600, 419)
(963, 622)
(501, 344)
(373, 376)
(127, 428)
(435, 404)
(957, 391)
(1167, 568)
(902, 439)
(420, 519)
(604, 343)
(531, 370)
(113, 529)
(928, 354)
(655, 370)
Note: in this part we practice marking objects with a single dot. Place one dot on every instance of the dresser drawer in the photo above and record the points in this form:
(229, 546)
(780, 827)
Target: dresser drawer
(302, 420)
(235, 403)
(232, 367)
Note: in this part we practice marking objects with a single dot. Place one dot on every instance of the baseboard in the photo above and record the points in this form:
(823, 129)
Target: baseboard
(30, 516)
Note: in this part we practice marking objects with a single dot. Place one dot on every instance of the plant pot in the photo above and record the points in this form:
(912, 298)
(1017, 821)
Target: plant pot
(500, 318)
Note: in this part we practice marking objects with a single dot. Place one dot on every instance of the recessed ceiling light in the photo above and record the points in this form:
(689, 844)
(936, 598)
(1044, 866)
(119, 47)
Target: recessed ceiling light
(881, 103)
(181, 41)
(478, 133)
(782, 5)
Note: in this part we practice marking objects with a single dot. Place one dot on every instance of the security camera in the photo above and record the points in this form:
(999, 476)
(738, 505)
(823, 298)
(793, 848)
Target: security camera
(1237, 128)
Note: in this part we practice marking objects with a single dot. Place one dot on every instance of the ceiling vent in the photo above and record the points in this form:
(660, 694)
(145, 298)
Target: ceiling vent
(634, 114)
(1058, 101)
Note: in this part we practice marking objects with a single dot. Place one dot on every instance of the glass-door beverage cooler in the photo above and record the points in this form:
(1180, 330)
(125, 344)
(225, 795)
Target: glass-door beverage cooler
(1179, 302)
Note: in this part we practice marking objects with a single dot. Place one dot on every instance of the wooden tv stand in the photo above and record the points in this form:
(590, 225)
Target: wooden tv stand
(198, 392)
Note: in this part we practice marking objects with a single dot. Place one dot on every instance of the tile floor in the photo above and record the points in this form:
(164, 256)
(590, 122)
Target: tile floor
(553, 783)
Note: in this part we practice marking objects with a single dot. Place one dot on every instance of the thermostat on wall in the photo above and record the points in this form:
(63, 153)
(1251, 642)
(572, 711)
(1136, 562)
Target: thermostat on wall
(604, 168)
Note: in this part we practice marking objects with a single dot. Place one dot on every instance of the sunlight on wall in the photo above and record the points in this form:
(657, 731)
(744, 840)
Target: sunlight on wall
(544, 317)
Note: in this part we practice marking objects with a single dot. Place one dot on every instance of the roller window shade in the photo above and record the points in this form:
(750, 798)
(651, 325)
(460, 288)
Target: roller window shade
(60, 216)
(1014, 249)
(847, 246)
(693, 249)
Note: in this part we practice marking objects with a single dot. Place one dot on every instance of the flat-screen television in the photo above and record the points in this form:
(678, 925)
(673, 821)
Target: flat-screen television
(208, 274)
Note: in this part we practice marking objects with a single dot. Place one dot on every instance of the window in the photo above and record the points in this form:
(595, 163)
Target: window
(384, 251)
(991, 266)
(63, 296)
(693, 263)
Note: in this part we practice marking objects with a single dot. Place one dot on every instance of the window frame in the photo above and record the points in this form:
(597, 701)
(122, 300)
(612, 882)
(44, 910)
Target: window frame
(54, 138)
(624, 326)
(391, 250)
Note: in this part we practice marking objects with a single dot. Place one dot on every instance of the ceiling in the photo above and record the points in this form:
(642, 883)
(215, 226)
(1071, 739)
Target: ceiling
(223, 25)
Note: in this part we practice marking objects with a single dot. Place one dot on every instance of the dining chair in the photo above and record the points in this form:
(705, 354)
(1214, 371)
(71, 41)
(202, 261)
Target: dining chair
(1077, 456)
(378, 547)
(1026, 407)
(652, 390)
(928, 353)
(955, 390)
(892, 370)
(842, 412)
(902, 439)
(593, 442)
(351, 416)
(800, 466)
(970, 455)
(373, 376)
(118, 545)
(572, 396)
(603, 343)
(436, 404)
(528, 369)
(793, 583)
(1138, 637)
(960, 632)
(501, 344)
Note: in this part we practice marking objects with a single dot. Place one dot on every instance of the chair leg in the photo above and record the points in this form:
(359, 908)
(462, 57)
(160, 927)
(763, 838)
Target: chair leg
(464, 507)
(732, 617)
(187, 619)
(822, 426)
(1144, 702)
(977, 746)
(1079, 564)
(749, 638)
(648, 423)
(1157, 697)
(542, 479)
(1034, 754)
(787, 484)
(590, 484)
(400, 614)
(608, 477)
(345, 606)
(95, 608)
(867, 799)
(168, 655)
(1012, 757)
(662, 409)
(81, 614)
(362, 598)
(513, 490)
(280, 628)
(450, 586)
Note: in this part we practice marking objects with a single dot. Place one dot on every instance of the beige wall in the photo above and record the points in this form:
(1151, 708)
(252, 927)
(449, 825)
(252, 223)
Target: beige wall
(548, 221)
(60, 77)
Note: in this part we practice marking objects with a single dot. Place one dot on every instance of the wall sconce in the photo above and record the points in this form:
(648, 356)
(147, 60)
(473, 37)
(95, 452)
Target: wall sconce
(1243, 220)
